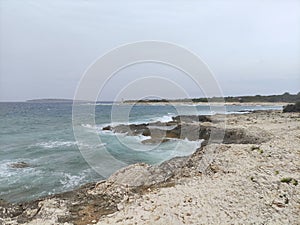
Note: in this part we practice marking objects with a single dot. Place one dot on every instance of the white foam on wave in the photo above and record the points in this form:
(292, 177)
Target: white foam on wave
(61, 144)
(99, 103)
(180, 147)
(236, 112)
(89, 126)
(184, 147)
(138, 138)
(55, 144)
(92, 128)
(85, 145)
(163, 119)
(6, 171)
(162, 127)
(70, 181)
(196, 143)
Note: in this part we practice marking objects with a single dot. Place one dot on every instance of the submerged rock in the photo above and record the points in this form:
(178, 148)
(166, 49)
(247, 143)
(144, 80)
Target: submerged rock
(192, 118)
(19, 165)
(155, 140)
(106, 128)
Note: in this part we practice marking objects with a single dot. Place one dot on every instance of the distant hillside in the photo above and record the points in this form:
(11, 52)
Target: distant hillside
(50, 100)
(286, 97)
(61, 100)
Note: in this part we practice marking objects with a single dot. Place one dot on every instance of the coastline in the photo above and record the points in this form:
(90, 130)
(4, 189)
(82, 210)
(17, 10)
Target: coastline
(208, 103)
(241, 178)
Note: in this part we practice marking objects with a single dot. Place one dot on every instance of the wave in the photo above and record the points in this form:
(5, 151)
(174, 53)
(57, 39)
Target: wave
(62, 144)
(237, 112)
(164, 119)
(137, 138)
(7, 171)
(55, 144)
(104, 103)
(93, 128)
(71, 181)
(184, 147)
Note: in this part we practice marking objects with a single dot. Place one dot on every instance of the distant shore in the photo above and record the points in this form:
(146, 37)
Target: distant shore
(282, 99)
(208, 103)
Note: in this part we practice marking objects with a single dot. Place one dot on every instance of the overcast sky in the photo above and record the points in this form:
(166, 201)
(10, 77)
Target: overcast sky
(252, 47)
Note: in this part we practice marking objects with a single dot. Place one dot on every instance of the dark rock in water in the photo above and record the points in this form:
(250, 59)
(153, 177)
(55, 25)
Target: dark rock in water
(132, 129)
(19, 165)
(106, 128)
(159, 133)
(146, 132)
(191, 118)
(163, 124)
(191, 132)
(171, 123)
(155, 140)
(292, 108)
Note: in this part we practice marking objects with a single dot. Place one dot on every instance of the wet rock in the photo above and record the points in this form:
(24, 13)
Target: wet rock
(132, 129)
(155, 140)
(107, 128)
(192, 118)
(19, 165)
(194, 132)
(162, 124)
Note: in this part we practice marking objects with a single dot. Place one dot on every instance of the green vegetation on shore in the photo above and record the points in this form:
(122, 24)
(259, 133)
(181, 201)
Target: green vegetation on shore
(286, 97)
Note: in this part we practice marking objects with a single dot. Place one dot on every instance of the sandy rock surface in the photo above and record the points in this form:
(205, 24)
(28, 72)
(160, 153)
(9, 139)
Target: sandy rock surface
(243, 185)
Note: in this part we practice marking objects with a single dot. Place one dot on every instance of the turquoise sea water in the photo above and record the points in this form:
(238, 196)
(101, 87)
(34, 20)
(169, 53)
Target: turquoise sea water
(41, 135)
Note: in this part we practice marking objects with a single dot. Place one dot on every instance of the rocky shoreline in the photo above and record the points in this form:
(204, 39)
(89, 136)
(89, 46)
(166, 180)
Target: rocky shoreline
(250, 176)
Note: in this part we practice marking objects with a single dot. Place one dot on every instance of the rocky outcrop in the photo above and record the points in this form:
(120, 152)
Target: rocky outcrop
(191, 118)
(19, 165)
(292, 108)
(78, 207)
(143, 175)
(90, 202)
(192, 131)
(132, 129)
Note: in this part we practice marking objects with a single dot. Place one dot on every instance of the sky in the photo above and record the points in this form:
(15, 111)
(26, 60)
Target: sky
(251, 46)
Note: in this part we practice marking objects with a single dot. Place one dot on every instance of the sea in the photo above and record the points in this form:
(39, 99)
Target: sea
(41, 135)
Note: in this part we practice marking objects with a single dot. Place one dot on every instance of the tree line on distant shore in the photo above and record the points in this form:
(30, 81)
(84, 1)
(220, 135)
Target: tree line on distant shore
(286, 97)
